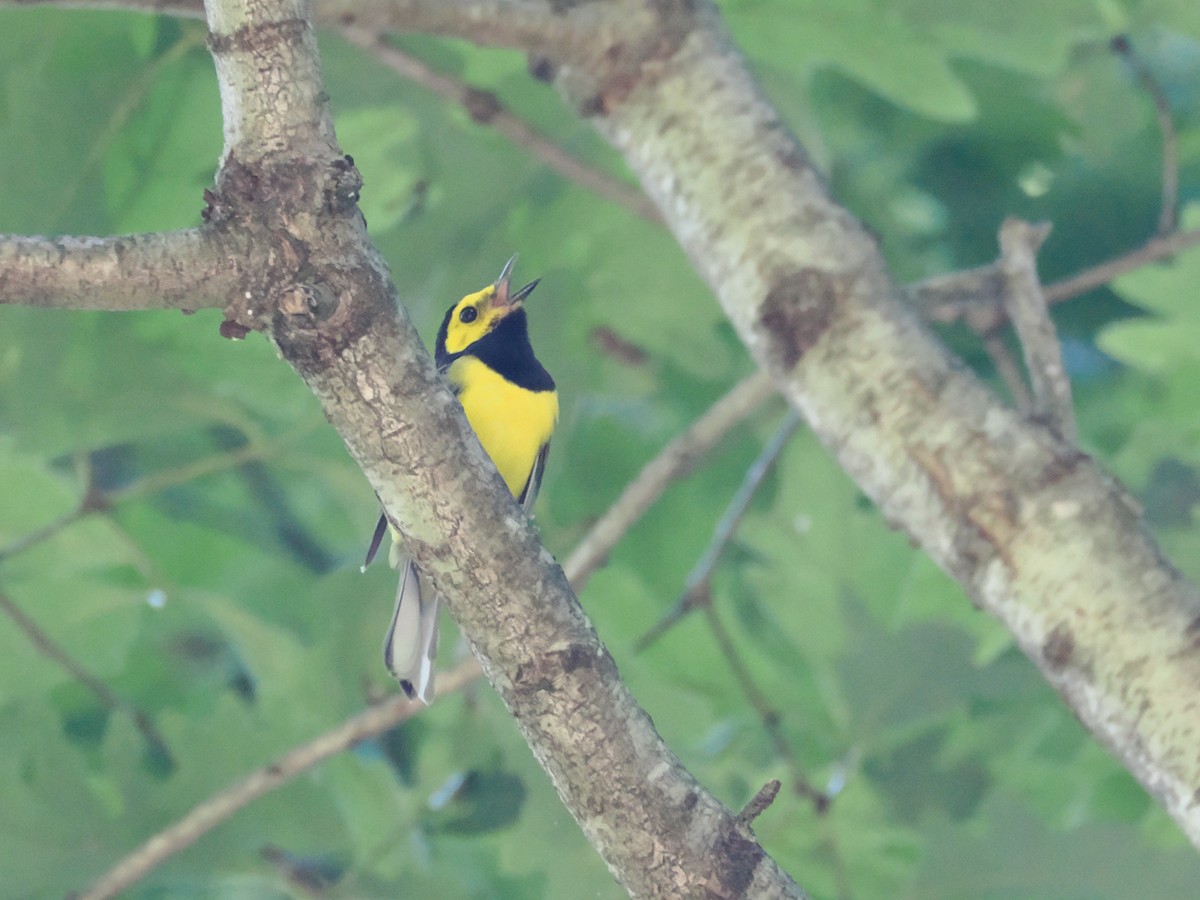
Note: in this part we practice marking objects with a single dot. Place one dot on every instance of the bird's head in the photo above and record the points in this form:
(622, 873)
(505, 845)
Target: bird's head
(477, 315)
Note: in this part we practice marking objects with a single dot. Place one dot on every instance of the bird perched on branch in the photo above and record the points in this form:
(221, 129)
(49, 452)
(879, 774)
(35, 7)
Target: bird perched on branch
(483, 350)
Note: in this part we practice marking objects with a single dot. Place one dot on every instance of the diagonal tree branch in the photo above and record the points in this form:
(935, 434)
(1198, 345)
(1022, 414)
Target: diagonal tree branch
(1155, 249)
(219, 807)
(672, 463)
(108, 698)
(1032, 528)
(697, 588)
(675, 460)
(331, 310)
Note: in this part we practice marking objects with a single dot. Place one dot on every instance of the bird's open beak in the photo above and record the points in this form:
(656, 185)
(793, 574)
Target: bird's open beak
(504, 297)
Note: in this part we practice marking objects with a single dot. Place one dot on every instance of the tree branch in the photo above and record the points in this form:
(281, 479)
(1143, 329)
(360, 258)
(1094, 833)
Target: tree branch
(335, 319)
(1033, 529)
(220, 806)
(1026, 306)
(1006, 366)
(760, 801)
(976, 296)
(1168, 218)
(768, 715)
(696, 586)
(1155, 249)
(186, 270)
(668, 466)
(531, 25)
(190, 9)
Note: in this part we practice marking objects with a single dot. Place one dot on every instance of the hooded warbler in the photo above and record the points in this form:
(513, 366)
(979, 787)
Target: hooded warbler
(483, 350)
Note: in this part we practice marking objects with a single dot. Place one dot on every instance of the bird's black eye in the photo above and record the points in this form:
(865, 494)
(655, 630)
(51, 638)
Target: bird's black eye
(469, 314)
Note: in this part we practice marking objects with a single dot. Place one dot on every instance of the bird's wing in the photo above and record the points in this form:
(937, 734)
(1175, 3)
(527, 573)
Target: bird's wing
(376, 540)
(534, 484)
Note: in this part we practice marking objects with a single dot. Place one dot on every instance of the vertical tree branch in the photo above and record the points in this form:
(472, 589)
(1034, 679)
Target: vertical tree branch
(1026, 306)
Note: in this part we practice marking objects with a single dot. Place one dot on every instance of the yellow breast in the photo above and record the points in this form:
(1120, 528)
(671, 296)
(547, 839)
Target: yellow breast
(513, 424)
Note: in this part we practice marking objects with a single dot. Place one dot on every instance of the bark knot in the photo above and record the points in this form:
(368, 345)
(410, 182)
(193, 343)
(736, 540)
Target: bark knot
(739, 856)
(1059, 647)
(797, 312)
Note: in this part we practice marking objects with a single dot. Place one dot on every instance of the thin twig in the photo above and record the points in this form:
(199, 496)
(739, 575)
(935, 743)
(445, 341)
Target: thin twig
(485, 108)
(767, 714)
(758, 804)
(220, 806)
(1026, 306)
(697, 594)
(1168, 214)
(974, 296)
(675, 460)
(696, 586)
(97, 500)
(50, 529)
(49, 648)
(1008, 370)
(1155, 249)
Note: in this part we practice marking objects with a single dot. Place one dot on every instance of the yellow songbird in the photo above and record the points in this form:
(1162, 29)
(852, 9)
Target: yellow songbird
(483, 350)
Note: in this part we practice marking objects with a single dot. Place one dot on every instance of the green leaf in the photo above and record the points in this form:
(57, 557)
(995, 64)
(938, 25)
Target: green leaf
(873, 42)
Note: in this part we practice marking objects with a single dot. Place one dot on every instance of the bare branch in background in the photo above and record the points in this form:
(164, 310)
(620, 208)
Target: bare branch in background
(675, 460)
(696, 589)
(697, 594)
(219, 807)
(1168, 214)
(768, 715)
(98, 500)
(52, 650)
(1009, 370)
(44, 533)
(1154, 250)
(486, 109)
(975, 296)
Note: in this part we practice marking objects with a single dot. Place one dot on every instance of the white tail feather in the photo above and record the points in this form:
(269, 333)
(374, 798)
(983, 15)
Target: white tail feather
(411, 643)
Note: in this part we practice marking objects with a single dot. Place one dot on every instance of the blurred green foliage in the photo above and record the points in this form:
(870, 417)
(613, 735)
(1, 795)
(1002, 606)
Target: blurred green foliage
(221, 596)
